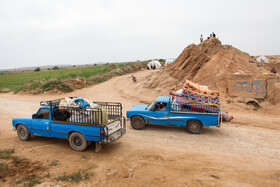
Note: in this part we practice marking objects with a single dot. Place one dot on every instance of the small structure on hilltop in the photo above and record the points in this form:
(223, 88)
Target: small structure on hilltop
(261, 59)
(168, 61)
(154, 65)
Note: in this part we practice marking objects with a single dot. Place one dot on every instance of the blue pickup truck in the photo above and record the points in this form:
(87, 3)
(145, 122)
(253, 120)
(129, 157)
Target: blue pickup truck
(102, 124)
(165, 111)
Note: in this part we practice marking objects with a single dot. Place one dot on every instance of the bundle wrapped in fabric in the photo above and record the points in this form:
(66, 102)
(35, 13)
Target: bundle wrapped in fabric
(197, 98)
(77, 102)
(201, 89)
(203, 99)
(200, 94)
(226, 116)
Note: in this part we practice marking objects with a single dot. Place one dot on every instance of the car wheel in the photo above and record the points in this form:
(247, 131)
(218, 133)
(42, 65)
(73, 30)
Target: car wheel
(78, 142)
(23, 133)
(194, 126)
(137, 123)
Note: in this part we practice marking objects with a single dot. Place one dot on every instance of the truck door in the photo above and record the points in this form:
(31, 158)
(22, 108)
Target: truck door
(159, 114)
(41, 122)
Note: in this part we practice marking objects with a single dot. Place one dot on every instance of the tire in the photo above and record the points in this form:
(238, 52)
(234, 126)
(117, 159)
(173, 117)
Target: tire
(194, 126)
(138, 123)
(78, 142)
(23, 133)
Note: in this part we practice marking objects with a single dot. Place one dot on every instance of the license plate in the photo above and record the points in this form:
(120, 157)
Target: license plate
(113, 127)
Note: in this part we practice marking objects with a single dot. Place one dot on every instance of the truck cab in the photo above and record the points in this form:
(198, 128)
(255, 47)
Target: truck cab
(164, 111)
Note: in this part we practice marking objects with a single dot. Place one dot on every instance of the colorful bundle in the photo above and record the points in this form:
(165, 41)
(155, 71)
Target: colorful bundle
(200, 94)
(196, 98)
(200, 89)
(200, 98)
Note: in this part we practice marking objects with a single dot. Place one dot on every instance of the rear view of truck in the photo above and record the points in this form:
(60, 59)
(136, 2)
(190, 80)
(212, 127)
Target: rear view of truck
(80, 121)
(100, 122)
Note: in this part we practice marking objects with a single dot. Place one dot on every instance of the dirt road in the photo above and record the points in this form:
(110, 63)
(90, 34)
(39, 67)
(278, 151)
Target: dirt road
(244, 153)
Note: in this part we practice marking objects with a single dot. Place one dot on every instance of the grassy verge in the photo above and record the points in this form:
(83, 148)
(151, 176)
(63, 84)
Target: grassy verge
(47, 80)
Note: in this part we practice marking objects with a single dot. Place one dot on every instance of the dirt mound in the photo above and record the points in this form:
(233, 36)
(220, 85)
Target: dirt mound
(209, 63)
(77, 83)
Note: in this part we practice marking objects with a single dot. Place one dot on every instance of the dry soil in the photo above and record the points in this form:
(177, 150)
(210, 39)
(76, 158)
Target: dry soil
(244, 153)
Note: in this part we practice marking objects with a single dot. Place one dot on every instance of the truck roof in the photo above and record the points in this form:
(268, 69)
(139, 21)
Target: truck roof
(45, 107)
(165, 99)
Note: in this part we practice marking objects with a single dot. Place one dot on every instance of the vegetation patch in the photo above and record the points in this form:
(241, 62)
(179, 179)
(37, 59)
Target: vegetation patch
(229, 101)
(6, 153)
(56, 85)
(64, 79)
(53, 163)
(3, 167)
(20, 169)
(27, 173)
(73, 177)
(32, 182)
(4, 90)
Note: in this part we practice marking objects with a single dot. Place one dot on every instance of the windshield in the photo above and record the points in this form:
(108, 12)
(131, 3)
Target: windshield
(151, 105)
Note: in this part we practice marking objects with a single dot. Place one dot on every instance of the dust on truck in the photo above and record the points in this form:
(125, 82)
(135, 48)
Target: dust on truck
(101, 124)
(165, 111)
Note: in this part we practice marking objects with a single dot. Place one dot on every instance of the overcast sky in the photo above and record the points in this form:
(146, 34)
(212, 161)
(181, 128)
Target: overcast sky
(49, 32)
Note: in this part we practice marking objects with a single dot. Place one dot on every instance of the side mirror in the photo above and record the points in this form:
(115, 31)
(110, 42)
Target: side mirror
(33, 116)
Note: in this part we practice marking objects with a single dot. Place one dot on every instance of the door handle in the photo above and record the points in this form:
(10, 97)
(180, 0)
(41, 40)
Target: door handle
(165, 113)
(46, 123)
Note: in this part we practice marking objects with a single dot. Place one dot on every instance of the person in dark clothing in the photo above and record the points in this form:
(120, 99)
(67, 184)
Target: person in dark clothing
(273, 70)
(213, 34)
(201, 38)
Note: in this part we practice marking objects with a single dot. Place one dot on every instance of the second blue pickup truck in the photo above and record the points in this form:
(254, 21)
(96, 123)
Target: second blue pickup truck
(165, 111)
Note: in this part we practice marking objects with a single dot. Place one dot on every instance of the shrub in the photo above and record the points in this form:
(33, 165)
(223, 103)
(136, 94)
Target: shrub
(229, 101)
(65, 88)
(56, 84)
(55, 68)
(50, 85)
(72, 75)
(35, 85)
(37, 69)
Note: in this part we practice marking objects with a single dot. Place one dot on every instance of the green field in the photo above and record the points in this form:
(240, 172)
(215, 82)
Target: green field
(15, 81)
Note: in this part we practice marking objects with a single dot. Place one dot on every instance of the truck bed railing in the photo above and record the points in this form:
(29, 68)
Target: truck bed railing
(195, 108)
(99, 115)
(114, 109)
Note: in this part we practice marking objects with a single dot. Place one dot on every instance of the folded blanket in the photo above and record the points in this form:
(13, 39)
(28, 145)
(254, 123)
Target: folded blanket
(201, 89)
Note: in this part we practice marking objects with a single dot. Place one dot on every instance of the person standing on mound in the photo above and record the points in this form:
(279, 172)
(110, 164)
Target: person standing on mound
(213, 34)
